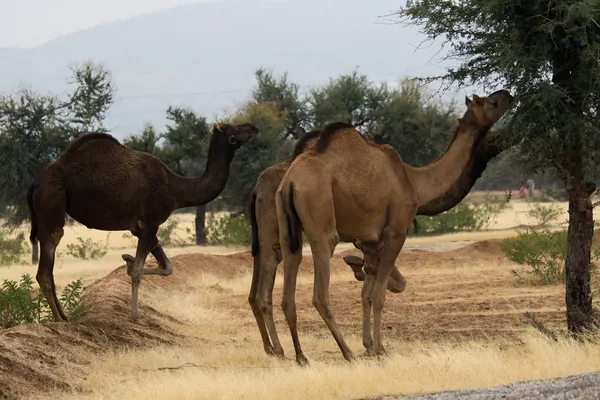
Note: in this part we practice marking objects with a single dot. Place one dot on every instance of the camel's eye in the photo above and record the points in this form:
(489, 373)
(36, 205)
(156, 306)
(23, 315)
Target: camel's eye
(494, 103)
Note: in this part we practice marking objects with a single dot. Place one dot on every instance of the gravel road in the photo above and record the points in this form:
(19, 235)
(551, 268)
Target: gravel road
(585, 386)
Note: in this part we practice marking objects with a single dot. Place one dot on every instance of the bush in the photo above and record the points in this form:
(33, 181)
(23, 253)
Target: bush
(88, 249)
(228, 230)
(462, 217)
(167, 234)
(12, 249)
(543, 214)
(543, 252)
(21, 304)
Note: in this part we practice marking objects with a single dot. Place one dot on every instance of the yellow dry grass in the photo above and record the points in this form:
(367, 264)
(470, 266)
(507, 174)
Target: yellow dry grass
(458, 325)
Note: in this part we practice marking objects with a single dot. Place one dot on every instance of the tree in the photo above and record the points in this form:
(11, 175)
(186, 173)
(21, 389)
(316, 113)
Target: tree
(35, 129)
(417, 130)
(285, 96)
(546, 53)
(92, 98)
(268, 148)
(147, 141)
(185, 150)
(349, 98)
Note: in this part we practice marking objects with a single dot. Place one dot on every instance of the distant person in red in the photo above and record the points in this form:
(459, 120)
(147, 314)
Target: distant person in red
(522, 192)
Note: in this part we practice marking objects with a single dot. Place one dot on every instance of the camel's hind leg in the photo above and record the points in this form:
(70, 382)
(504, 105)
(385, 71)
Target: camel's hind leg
(291, 263)
(322, 251)
(261, 299)
(255, 306)
(45, 273)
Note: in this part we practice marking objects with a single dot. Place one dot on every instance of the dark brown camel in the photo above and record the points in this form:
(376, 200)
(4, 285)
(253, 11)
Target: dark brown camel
(107, 186)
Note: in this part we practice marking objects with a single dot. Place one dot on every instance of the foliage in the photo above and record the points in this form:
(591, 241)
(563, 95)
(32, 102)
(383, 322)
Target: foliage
(546, 53)
(35, 129)
(285, 95)
(21, 304)
(462, 217)
(93, 95)
(417, 129)
(348, 98)
(229, 229)
(11, 249)
(87, 249)
(167, 234)
(543, 251)
(543, 214)
(268, 148)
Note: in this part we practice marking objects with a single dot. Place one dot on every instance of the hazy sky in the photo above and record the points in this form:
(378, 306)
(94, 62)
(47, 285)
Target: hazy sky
(27, 23)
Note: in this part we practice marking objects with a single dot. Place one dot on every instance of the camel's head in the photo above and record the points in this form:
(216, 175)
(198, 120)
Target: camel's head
(487, 110)
(236, 135)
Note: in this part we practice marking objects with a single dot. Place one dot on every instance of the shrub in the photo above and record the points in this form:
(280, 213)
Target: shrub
(462, 217)
(543, 214)
(167, 234)
(228, 230)
(543, 252)
(21, 304)
(88, 249)
(12, 249)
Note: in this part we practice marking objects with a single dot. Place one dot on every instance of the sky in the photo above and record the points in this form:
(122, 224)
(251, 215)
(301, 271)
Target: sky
(28, 23)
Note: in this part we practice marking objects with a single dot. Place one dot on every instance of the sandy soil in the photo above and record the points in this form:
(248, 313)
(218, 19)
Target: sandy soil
(458, 325)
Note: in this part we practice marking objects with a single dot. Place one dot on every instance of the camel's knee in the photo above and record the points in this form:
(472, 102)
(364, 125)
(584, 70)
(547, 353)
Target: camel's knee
(397, 285)
(56, 236)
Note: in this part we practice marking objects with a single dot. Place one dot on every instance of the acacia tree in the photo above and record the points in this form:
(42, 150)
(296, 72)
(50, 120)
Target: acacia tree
(285, 96)
(350, 98)
(546, 53)
(36, 128)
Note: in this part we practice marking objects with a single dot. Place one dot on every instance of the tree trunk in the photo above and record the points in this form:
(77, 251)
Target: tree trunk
(200, 222)
(577, 262)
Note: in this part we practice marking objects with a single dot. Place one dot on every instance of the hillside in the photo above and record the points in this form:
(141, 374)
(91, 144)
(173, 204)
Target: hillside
(203, 55)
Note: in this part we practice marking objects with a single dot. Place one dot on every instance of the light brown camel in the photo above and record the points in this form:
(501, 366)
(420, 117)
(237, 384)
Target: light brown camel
(107, 186)
(328, 195)
(266, 251)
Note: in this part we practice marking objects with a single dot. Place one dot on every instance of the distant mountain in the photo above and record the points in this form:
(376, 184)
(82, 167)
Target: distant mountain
(203, 55)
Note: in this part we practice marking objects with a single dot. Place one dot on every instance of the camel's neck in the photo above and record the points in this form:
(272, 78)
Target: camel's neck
(190, 192)
(435, 179)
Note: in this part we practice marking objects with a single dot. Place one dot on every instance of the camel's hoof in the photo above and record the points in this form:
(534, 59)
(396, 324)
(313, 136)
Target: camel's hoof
(353, 261)
(349, 357)
(302, 361)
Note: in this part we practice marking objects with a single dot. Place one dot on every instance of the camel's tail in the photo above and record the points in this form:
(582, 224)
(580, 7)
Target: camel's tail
(293, 219)
(33, 234)
(254, 226)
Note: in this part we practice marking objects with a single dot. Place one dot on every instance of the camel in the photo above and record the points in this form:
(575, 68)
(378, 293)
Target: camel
(328, 196)
(107, 186)
(265, 232)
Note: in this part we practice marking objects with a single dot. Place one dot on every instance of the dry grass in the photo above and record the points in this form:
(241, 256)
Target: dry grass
(459, 324)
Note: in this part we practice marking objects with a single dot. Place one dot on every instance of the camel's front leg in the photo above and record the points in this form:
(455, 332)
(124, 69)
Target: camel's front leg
(137, 269)
(396, 283)
(387, 256)
(164, 264)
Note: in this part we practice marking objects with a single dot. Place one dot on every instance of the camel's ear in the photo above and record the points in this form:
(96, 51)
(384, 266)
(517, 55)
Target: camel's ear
(478, 100)
(218, 126)
(467, 101)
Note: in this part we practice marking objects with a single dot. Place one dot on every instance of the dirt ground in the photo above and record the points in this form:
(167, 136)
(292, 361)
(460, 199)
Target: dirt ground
(197, 337)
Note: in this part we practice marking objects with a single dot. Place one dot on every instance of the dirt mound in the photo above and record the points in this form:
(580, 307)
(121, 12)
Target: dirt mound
(33, 357)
